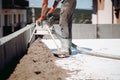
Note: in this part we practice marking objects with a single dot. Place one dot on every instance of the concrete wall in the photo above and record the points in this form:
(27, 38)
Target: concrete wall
(0, 18)
(94, 31)
(83, 31)
(14, 45)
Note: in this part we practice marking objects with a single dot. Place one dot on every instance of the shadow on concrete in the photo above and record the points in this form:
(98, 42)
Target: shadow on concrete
(9, 68)
(74, 50)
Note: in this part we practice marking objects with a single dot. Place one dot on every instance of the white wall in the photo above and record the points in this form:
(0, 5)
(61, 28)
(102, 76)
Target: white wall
(24, 17)
(103, 16)
(94, 18)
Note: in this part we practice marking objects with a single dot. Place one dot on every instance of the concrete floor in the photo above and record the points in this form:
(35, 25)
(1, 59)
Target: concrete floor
(87, 67)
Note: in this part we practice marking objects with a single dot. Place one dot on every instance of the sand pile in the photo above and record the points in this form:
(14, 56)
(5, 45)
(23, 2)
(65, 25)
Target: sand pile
(38, 64)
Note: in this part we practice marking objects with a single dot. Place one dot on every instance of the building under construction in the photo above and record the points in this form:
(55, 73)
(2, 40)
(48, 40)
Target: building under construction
(106, 12)
(12, 15)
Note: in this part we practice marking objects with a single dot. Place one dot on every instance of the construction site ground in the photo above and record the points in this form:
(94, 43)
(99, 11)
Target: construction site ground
(40, 64)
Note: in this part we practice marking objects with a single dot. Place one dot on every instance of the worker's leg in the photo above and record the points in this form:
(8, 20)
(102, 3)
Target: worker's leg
(65, 32)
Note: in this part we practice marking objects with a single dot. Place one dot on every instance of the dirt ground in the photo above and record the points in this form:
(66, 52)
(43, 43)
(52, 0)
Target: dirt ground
(38, 64)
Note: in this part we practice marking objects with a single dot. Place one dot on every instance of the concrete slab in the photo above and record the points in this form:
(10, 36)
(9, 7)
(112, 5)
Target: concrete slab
(87, 67)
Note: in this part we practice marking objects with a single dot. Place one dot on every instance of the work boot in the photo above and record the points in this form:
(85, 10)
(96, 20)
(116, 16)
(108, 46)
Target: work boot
(62, 54)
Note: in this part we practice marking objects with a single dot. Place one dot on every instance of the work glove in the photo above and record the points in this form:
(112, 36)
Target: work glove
(50, 12)
(49, 16)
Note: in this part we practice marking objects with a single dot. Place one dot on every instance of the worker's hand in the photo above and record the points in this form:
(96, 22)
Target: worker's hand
(40, 19)
(50, 12)
(49, 15)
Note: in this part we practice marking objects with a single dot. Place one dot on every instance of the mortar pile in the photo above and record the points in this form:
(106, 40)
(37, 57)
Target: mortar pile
(38, 64)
